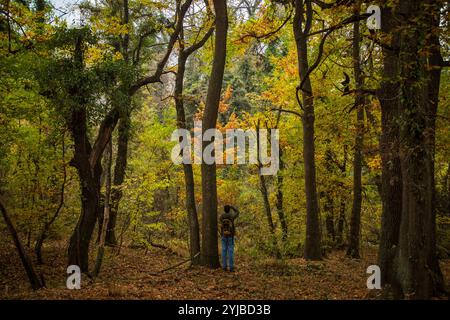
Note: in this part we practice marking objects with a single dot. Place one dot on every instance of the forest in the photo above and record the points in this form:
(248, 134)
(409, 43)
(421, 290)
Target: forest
(129, 129)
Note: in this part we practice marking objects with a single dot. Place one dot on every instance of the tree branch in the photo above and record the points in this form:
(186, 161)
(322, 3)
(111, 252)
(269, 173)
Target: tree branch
(104, 134)
(325, 5)
(361, 91)
(198, 44)
(287, 111)
(341, 24)
(327, 32)
(156, 76)
(265, 35)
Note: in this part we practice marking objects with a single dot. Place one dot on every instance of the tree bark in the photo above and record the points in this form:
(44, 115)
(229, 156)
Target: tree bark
(209, 250)
(279, 186)
(327, 194)
(194, 230)
(329, 218)
(106, 212)
(340, 225)
(355, 221)
(90, 195)
(434, 82)
(119, 176)
(342, 205)
(279, 203)
(391, 179)
(87, 161)
(416, 271)
(265, 195)
(191, 208)
(313, 249)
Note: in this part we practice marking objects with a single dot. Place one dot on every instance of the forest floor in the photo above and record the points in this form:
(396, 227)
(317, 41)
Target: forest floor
(135, 274)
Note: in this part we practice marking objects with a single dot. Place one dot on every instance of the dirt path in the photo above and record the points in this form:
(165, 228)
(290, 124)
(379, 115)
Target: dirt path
(130, 275)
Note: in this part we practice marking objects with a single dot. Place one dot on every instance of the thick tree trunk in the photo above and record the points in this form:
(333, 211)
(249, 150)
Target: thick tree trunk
(313, 249)
(417, 271)
(433, 102)
(87, 161)
(209, 250)
(35, 282)
(355, 221)
(81, 237)
(90, 189)
(391, 179)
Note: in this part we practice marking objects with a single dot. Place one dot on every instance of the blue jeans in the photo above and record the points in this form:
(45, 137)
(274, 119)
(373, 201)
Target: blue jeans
(228, 250)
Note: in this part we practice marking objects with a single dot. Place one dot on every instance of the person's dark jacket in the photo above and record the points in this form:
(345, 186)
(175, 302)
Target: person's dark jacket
(231, 215)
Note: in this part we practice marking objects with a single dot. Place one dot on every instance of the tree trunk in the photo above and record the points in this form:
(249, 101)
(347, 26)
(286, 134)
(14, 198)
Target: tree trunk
(119, 177)
(434, 82)
(329, 218)
(342, 206)
(194, 232)
(268, 211)
(265, 195)
(417, 269)
(313, 249)
(122, 143)
(87, 161)
(191, 208)
(340, 225)
(279, 203)
(264, 192)
(209, 250)
(106, 212)
(81, 237)
(355, 221)
(391, 179)
(35, 282)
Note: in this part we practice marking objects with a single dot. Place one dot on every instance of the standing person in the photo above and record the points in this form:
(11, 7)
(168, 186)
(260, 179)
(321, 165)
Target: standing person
(227, 231)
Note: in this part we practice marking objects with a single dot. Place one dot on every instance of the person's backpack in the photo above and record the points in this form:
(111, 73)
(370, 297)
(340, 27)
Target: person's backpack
(227, 227)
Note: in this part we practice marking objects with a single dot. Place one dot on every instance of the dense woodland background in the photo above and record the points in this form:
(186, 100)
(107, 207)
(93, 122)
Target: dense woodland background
(91, 93)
